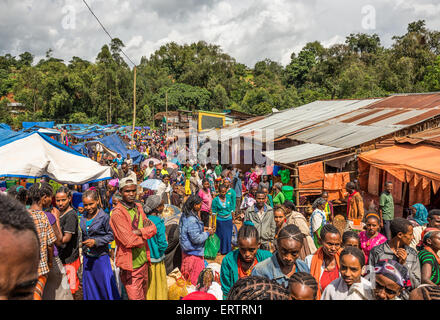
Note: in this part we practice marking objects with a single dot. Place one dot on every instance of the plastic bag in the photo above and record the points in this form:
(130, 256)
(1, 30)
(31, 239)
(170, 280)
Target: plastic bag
(234, 240)
(178, 290)
(212, 246)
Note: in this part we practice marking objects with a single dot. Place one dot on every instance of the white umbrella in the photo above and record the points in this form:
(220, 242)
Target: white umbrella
(151, 184)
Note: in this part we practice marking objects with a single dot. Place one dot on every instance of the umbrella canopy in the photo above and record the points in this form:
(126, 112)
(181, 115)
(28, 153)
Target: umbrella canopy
(155, 161)
(151, 184)
(172, 165)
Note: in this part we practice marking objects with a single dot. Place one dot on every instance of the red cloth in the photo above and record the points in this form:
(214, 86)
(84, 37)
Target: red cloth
(72, 274)
(327, 277)
(199, 295)
(241, 273)
(135, 282)
(191, 267)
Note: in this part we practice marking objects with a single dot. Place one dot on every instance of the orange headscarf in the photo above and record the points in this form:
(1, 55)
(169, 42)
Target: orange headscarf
(315, 267)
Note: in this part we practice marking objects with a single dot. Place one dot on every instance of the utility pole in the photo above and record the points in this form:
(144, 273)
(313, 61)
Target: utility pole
(134, 106)
(110, 114)
(166, 111)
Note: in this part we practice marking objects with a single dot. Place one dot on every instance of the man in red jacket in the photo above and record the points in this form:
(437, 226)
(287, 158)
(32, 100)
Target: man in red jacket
(132, 229)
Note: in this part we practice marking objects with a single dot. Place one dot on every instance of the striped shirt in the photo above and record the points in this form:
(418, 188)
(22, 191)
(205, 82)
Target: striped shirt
(47, 237)
(427, 257)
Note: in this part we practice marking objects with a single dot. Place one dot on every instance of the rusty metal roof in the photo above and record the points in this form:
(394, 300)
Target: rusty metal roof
(430, 135)
(373, 121)
(341, 124)
(408, 101)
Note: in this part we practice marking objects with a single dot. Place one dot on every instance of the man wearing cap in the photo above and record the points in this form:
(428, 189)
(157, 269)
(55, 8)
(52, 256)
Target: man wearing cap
(132, 229)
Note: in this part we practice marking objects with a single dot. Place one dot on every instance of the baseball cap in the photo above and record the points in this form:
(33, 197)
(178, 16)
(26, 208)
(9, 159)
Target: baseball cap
(128, 181)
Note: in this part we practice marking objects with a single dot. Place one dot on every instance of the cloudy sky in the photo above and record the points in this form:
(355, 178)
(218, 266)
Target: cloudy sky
(249, 30)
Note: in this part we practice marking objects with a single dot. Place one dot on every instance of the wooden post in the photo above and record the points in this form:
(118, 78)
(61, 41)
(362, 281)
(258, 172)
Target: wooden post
(296, 173)
(166, 111)
(110, 115)
(134, 105)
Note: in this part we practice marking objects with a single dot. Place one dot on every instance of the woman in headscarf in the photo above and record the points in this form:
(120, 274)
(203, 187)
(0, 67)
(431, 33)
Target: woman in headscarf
(192, 239)
(157, 276)
(429, 260)
(419, 220)
(391, 280)
(278, 197)
(317, 220)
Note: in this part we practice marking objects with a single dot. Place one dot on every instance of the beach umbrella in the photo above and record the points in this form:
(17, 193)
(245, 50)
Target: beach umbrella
(151, 184)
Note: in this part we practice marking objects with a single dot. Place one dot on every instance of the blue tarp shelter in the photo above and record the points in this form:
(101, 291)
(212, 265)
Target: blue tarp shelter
(35, 155)
(113, 142)
(5, 126)
(48, 124)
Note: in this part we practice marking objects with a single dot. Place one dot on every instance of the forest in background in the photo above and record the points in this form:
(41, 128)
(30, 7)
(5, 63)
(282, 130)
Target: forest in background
(200, 76)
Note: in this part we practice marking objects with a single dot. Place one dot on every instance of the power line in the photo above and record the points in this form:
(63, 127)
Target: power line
(111, 38)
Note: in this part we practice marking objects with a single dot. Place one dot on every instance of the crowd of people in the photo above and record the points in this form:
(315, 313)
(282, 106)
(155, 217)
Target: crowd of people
(232, 235)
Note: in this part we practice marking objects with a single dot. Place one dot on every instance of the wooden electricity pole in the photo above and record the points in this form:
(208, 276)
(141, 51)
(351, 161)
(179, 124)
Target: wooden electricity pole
(166, 111)
(134, 105)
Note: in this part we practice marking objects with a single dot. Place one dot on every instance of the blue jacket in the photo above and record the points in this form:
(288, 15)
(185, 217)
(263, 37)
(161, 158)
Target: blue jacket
(192, 237)
(271, 269)
(100, 231)
(158, 244)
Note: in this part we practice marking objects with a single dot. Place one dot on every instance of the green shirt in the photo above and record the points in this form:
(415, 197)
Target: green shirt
(279, 198)
(427, 257)
(386, 203)
(187, 171)
(139, 254)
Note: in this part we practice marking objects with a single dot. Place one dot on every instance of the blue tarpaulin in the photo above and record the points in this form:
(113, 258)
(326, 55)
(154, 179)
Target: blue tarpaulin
(5, 126)
(48, 124)
(113, 142)
(88, 135)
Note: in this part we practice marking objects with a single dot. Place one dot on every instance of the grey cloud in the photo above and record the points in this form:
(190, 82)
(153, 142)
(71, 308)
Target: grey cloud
(248, 30)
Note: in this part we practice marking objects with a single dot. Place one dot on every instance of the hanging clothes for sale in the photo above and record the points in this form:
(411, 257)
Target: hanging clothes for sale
(276, 169)
(311, 178)
(334, 184)
(285, 176)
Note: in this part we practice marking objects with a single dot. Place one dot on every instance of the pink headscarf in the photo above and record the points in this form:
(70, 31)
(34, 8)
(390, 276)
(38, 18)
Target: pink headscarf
(113, 182)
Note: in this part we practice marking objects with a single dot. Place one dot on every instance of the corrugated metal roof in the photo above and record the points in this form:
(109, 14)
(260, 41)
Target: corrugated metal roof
(299, 152)
(330, 126)
(341, 135)
(299, 118)
(431, 135)
(409, 101)
(373, 121)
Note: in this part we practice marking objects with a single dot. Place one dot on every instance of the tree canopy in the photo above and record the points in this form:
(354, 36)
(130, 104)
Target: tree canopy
(201, 76)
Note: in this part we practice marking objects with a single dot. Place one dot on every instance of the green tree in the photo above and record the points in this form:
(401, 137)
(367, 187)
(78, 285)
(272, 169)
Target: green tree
(219, 99)
(79, 117)
(257, 101)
